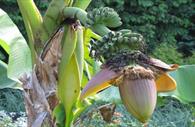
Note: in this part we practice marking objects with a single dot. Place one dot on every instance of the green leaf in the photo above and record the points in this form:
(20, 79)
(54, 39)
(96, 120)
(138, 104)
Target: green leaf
(14, 43)
(184, 76)
(86, 75)
(5, 82)
(4, 45)
(90, 66)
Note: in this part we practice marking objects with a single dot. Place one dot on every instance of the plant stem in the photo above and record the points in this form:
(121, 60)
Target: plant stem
(30, 40)
(67, 2)
(51, 18)
(77, 13)
(33, 23)
(31, 13)
(83, 4)
(100, 29)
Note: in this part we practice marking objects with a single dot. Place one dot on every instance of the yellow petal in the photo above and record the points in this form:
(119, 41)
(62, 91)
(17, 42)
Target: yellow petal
(165, 83)
(99, 82)
(173, 67)
(94, 90)
(162, 65)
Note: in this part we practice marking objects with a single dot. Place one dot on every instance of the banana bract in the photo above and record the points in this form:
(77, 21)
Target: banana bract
(69, 74)
(139, 97)
(138, 93)
(137, 85)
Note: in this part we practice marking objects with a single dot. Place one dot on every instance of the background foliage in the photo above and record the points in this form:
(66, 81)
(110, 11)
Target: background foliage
(171, 114)
(158, 21)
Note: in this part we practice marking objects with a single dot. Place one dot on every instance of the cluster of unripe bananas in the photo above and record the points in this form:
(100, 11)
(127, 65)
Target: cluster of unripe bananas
(104, 15)
(117, 45)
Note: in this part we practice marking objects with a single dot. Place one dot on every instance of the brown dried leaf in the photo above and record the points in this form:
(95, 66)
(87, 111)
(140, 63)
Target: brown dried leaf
(107, 111)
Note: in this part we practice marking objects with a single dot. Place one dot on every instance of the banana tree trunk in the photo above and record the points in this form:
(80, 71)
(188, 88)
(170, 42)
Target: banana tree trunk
(37, 106)
(40, 86)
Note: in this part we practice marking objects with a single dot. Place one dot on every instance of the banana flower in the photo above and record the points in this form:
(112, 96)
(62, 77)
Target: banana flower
(138, 85)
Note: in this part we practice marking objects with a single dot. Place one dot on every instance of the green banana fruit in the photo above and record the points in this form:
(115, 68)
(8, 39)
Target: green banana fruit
(104, 15)
(113, 43)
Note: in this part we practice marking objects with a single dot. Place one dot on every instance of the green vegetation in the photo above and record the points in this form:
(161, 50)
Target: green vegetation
(11, 100)
(172, 113)
(159, 21)
(168, 53)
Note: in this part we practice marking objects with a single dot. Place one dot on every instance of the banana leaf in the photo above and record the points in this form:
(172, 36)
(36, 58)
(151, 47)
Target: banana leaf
(15, 45)
(185, 79)
(5, 82)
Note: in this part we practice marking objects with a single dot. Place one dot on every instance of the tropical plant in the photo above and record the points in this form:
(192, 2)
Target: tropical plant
(56, 65)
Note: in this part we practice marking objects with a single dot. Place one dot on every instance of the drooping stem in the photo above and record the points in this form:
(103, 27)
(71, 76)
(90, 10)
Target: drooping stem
(101, 29)
(77, 13)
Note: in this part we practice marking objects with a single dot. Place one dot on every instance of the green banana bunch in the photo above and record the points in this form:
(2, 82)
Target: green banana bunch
(116, 42)
(104, 15)
(69, 73)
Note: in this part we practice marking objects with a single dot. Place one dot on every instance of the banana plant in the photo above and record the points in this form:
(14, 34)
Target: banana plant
(55, 65)
(58, 41)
